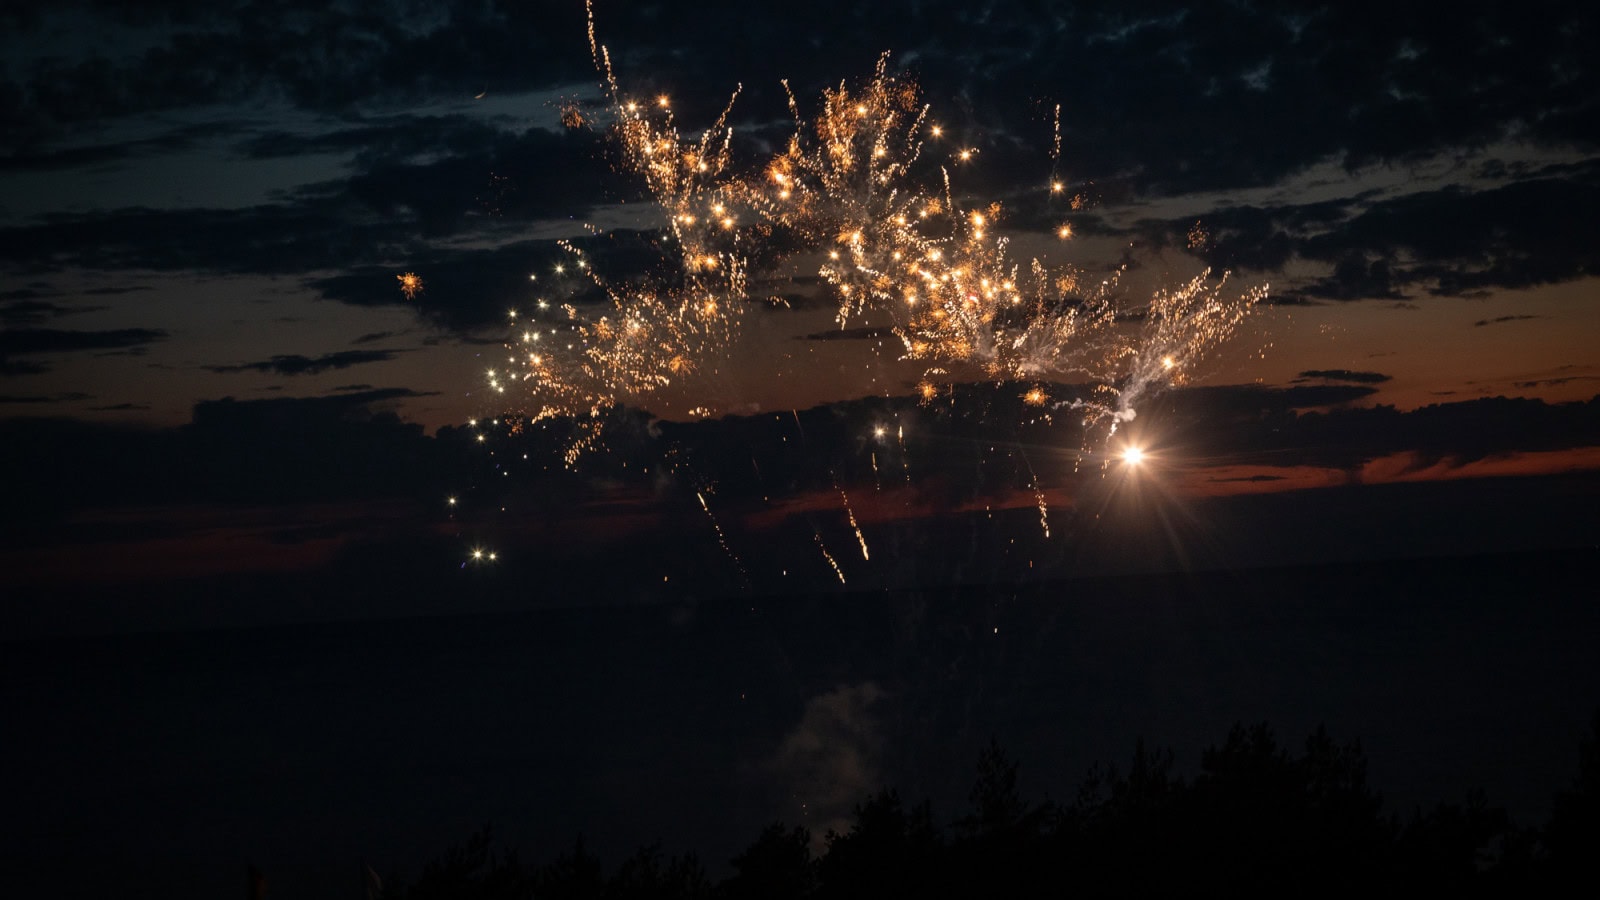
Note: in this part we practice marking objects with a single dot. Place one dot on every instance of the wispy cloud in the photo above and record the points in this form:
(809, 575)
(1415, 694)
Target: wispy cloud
(295, 364)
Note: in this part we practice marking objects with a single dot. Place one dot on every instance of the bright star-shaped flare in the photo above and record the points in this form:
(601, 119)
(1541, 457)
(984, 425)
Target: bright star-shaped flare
(1133, 456)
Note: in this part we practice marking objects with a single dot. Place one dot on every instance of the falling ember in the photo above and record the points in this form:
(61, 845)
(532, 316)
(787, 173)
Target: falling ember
(410, 284)
(829, 557)
(905, 464)
(1044, 509)
(850, 514)
(721, 538)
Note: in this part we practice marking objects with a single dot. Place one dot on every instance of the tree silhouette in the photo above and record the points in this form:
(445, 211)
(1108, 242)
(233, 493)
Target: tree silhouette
(1573, 835)
(1283, 823)
(998, 851)
(1120, 833)
(644, 877)
(887, 851)
(1450, 848)
(994, 799)
(473, 871)
(1255, 820)
(575, 875)
(778, 866)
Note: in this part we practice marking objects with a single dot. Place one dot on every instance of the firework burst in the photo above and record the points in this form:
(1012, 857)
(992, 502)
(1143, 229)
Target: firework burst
(866, 186)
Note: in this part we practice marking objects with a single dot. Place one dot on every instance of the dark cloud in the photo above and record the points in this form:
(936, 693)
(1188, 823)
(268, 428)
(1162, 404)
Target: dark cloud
(317, 57)
(274, 239)
(21, 367)
(70, 397)
(33, 312)
(24, 341)
(1159, 100)
(117, 290)
(121, 407)
(467, 289)
(357, 406)
(1499, 319)
(38, 289)
(278, 450)
(391, 140)
(295, 364)
(100, 155)
(1356, 277)
(1252, 237)
(1552, 382)
(1346, 375)
(378, 214)
(518, 177)
(1262, 398)
(1348, 437)
(1163, 97)
(1454, 241)
(985, 444)
(374, 336)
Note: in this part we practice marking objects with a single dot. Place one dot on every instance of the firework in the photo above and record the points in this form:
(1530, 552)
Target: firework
(410, 284)
(865, 185)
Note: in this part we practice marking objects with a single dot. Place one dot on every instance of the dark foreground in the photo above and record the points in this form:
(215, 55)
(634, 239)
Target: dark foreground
(166, 764)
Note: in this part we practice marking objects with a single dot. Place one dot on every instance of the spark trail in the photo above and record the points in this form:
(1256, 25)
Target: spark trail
(851, 515)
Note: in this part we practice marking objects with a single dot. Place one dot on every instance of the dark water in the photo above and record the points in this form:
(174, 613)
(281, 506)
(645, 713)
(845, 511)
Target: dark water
(160, 765)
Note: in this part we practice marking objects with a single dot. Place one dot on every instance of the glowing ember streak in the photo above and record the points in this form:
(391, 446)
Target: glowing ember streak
(905, 461)
(850, 514)
(1055, 145)
(410, 284)
(721, 538)
(829, 557)
(1044, 509)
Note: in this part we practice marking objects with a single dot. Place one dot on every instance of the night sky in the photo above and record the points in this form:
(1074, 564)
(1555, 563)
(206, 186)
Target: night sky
(219, 410)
